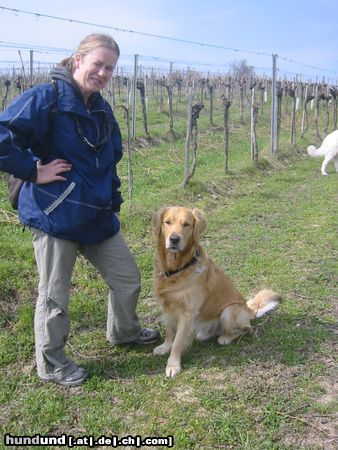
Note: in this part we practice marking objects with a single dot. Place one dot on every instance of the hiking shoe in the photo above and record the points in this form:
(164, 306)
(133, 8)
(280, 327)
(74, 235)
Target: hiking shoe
(74, 379)
(147, 336)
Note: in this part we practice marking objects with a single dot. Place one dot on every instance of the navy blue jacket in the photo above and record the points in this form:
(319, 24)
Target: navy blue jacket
(79, 209)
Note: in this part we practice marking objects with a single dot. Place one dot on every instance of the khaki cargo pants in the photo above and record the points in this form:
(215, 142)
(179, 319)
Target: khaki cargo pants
(55, 260)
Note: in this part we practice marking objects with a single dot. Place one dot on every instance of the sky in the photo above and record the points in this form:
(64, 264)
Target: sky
(208, 36)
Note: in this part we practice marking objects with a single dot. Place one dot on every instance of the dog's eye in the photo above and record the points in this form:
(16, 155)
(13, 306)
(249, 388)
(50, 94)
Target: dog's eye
(186, 224)
(167, 222)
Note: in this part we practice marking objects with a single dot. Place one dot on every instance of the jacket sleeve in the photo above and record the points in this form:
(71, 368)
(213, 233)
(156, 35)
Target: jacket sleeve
(23, 126)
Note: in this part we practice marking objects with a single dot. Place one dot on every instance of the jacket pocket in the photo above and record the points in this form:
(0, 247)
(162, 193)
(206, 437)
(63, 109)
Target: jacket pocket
(70, 206)
(58, 200)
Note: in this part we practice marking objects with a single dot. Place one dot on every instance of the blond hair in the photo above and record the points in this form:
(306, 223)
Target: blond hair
(87, 45)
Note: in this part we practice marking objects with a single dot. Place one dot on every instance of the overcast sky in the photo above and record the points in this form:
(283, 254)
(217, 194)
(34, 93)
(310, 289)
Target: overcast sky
(303, 33)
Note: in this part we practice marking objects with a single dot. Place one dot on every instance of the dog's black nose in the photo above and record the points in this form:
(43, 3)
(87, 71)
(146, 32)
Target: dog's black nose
(174, 239)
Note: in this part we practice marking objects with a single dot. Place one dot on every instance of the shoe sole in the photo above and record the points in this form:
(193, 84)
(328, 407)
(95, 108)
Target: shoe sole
(65, 383)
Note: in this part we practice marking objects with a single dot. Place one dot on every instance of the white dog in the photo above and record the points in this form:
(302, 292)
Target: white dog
(328, 149)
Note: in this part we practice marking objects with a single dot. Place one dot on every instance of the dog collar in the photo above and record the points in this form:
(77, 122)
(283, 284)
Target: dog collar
(169, 273)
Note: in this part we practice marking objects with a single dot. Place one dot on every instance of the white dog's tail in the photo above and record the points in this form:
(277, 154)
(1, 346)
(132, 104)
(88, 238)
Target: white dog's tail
(263, 302)
(315, 152)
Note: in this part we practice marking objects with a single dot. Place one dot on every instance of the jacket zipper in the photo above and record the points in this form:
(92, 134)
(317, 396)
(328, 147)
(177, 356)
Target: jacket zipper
(59, 199)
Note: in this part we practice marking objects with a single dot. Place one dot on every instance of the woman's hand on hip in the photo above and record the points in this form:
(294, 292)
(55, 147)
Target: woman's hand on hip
(47, 173)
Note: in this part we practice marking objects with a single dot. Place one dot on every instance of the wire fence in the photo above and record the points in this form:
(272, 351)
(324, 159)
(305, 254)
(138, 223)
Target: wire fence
(145, 93)
(140, 87)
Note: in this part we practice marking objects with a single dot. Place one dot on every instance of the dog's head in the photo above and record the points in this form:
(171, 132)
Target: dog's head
(178, 227)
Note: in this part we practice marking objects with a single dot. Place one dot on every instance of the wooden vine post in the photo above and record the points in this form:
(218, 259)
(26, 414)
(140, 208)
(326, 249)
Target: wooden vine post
(254, 146)
(333, 92)
(292, 94)
(4, 99)
(242, 87)
(254, 113)
(179, 83)
(191, 138)
(141, 87)
(128, 144)
(161, 95)
(326, 98)
(211, 87)
(317, 101)
(262, 93)
(169, 87)
(111, 93)
(279, 95)
(305, 115)
(226, 105)
(203, 83)
(188, 136)
(305, 123)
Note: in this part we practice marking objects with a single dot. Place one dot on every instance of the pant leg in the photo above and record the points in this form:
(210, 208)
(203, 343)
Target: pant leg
(55, 260)
(113, 259)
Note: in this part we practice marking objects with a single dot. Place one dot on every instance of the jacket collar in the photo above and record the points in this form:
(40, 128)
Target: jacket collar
(70, 97)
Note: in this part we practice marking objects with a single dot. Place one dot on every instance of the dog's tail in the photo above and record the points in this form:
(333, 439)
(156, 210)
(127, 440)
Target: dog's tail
(315, 152)
(263, 302)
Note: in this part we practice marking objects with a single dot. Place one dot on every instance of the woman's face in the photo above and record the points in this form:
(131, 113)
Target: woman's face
(94, 70)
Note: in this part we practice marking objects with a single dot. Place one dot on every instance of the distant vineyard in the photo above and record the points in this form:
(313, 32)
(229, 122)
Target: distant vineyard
(152, 107)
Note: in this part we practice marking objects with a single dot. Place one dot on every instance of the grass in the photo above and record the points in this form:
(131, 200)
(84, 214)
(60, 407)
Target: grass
(269, 226)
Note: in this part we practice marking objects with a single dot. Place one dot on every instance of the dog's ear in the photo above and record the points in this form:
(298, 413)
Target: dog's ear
(157, 220)
(200, 223)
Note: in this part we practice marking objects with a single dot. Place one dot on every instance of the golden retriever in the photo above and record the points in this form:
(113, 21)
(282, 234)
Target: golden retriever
(196, 296)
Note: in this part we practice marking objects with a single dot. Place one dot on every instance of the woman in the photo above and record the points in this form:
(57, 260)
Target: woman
(71, 199)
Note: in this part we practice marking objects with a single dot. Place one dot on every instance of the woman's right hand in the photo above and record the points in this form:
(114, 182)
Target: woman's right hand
(47, 173)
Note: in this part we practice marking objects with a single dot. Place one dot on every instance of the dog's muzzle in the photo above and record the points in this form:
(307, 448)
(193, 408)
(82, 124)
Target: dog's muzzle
(173, 242)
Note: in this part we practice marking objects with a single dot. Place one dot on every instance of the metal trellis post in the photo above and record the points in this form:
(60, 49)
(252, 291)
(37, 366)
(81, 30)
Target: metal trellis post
(134, 97)
(274, 106)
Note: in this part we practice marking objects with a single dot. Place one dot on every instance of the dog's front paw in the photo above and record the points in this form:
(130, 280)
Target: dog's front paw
(162, 349)
(225, 340)
(172, 371)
